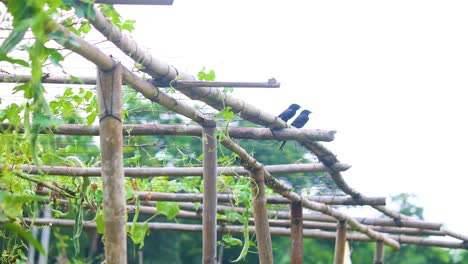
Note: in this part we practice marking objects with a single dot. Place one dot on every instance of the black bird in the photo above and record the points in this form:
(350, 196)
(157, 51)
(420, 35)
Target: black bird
(299, 122)
(289, 113)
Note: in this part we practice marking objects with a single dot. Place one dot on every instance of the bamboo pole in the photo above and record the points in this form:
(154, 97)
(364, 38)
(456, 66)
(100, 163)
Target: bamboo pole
(271, 83)
(196, 171)
(262, 228)
(379, 252)
(275, 231)
(209, 192)
(229, 198)
(18, 78)
(340, 242)
(189, 130)
(297, 227)
(110, 119)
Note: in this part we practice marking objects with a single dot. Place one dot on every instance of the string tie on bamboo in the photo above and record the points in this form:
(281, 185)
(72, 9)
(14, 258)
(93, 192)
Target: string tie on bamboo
(109, 112)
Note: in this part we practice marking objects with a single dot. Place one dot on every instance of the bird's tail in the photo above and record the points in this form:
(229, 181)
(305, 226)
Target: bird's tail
(282, 146)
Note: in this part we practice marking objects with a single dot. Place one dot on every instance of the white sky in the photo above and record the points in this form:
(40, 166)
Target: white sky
(389, 76)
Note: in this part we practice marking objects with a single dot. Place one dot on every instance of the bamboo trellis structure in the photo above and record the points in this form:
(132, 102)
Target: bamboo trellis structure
(297, 224)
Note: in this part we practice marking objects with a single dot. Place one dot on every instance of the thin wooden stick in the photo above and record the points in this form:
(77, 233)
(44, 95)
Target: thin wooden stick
(297, 229)
(262, 228)
(379, 252)
(340, 242)
(110, 114)
(272, 83)
(209, 192)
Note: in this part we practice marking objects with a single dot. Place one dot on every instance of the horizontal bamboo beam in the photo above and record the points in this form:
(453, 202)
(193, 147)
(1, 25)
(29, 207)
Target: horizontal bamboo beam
(307, 224)
(271, 83)
(135, 2)
(19, 78)
(171, 171)
(275, 231)
(411, 223)
(228, 198)
(191, 130)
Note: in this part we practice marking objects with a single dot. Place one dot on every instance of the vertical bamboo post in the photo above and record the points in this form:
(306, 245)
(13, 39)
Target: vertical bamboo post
(262, 229)
(109, 94)
(296, 233)
(340, 242)
(209, 192)
(379, 252)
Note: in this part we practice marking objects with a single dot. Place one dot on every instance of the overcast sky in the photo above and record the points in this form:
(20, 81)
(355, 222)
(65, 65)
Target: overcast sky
(390, 77)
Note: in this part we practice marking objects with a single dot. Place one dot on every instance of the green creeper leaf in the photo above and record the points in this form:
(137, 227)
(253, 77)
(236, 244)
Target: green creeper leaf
(100, 226)
(226, 114)
(16, 228)
(170, 209)
(233, 216)
(138, 232)
(231, 241)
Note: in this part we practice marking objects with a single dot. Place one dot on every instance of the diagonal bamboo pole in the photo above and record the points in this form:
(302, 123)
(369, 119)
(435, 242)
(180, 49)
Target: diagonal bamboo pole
(109, 92)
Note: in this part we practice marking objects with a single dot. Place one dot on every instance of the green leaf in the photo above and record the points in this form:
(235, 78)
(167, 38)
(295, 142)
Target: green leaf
(226, 114)
(231, 241)
(16, 228)
(15, 36)
(100, 225)
(170, 209)
(138, 232)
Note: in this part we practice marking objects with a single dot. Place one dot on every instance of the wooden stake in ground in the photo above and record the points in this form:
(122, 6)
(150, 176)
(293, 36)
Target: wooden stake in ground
(262, 229)
(340, 242)
(109, 93)
(379, 252)
(209, 192)
(296, 233)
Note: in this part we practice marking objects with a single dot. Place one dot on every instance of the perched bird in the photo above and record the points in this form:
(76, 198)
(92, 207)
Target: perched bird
(289, 113)
(299, 122)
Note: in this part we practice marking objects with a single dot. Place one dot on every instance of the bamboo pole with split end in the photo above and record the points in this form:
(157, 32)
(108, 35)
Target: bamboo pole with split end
(209, 192)
(340, 242)
(297, 228)
(193, 171)
(262, 228)
(275, 231)
(109, 90)
(189, 130)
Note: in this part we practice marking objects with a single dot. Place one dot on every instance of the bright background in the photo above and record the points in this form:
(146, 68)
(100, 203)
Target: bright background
(390, 77)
